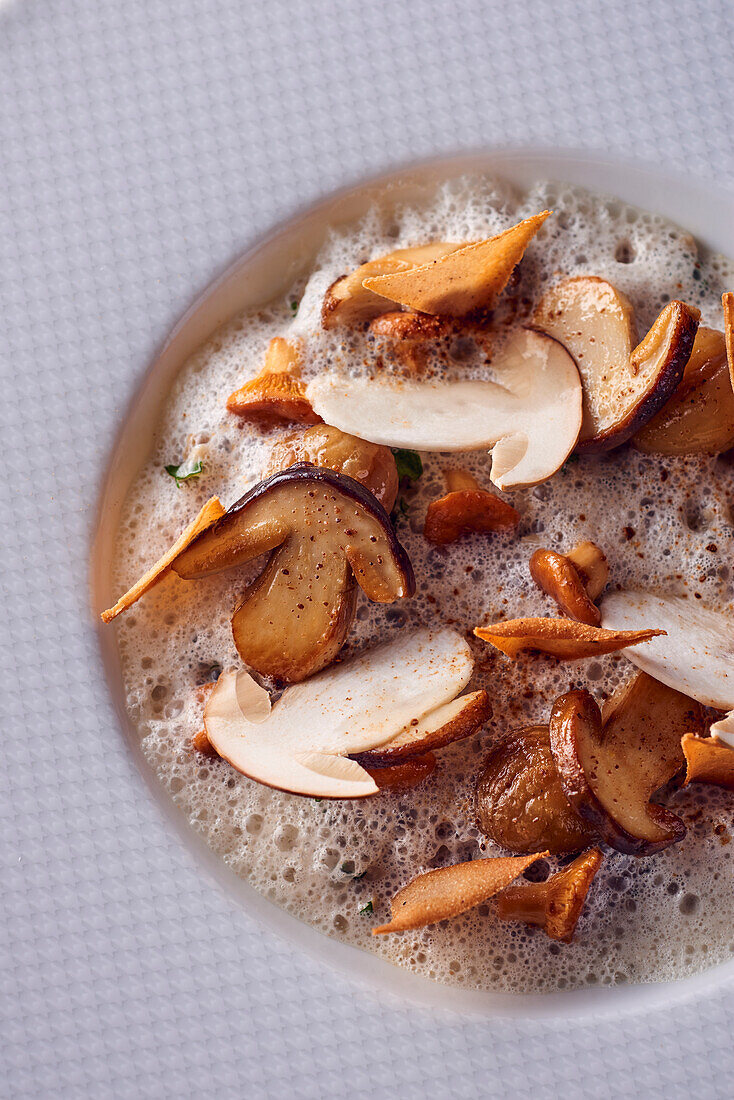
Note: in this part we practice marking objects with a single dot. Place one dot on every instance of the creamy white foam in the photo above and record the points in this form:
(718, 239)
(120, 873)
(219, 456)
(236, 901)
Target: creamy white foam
(664, 523)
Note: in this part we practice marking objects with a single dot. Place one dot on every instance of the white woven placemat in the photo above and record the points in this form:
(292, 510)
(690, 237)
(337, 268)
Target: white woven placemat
(142, 144)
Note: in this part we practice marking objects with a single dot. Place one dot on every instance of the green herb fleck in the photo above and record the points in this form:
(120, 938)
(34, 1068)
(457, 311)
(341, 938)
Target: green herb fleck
(408, 463)
(400, 509)
(184, 472)
(294, 307)
(318, 800)
(369, 908)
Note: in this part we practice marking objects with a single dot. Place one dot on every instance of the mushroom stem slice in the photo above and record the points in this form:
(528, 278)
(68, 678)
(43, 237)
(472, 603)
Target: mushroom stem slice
(325, 531)
(708, 760)
(448, 891)
(696, 655)
(554, 905)
(349, 302)
(564, 638)
(208, 515)
(610, 767)
(727, 302)
(452, 722)
(624, 386)
(520, 802)
(302, 743)
(464, 280)
(529, 415)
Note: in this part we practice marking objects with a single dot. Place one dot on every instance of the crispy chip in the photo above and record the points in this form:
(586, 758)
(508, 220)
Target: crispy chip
(211, 511)
(564, 638)
(708, 760)
(727, 301)
(463, 280)
(448, 891)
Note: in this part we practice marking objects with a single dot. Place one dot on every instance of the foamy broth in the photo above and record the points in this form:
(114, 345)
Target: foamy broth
(665, 525)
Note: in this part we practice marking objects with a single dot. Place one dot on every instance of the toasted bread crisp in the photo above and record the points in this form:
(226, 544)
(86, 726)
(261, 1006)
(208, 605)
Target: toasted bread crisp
(464, 280)
(448, 891)
(708, 760)
(277, 392)
(563, 638)
(727, 301)
(211, 512)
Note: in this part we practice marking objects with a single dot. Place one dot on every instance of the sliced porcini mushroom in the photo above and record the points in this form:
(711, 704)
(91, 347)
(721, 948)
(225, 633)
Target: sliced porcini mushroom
(519, 799)
(325, 446)
(401, 777)
(554, 905)
(699, 417)
(348, 302)
(303, 742)
(624, 386)
(324, 531)
(200, 742)
(277, 392)
(708, 760)
(564, 638)
(727, 302)
(611, 765)
(446, 892)
(696, 655)
(465, 279)
(568, 583)
(208, 515)
(466, 509)
(453, 722)
(529, 415)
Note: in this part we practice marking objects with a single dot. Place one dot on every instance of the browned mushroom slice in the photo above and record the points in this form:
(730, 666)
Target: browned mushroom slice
(559, 577)
(407, 336)
(448, 891)
(554, 905)
(277, 392)
(349, 302)
(590, 562)
(211, 512)
(610, 771)
(200, 741)
(403, 776)
(708, 760)
(624, 386)
(564, 638)
(699, 417)
(466, 509)
(464, 280)
(372, 465)
(520, 802)
(325, 531)
(453, 722)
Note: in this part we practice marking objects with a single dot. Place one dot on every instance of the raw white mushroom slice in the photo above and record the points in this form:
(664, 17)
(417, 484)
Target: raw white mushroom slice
(624, 386)
(301, 744)
(530, 415)
(696, 655)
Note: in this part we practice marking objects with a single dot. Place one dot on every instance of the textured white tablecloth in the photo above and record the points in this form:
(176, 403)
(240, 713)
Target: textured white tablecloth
(142, 144)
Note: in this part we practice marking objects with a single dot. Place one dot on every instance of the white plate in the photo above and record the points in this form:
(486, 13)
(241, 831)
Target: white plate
(266, 270)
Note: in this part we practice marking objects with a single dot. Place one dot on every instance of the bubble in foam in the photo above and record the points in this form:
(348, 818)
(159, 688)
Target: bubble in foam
(656, 519)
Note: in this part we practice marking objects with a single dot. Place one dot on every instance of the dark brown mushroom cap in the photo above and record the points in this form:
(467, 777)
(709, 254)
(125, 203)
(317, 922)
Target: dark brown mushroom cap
(324, 532)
